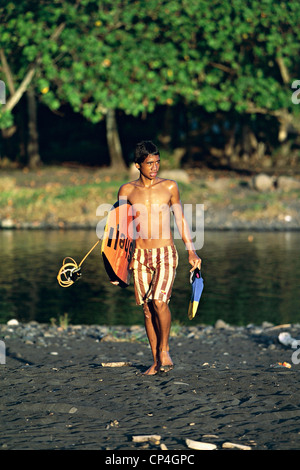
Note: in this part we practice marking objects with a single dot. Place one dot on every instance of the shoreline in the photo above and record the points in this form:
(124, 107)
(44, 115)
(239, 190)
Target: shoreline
(216, 223)
(55, 198)
(227, 386)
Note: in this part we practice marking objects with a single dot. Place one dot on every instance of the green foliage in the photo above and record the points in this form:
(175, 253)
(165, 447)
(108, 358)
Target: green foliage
(133, 56)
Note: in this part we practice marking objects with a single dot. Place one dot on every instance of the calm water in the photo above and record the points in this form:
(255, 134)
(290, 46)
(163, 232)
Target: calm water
(244, 281)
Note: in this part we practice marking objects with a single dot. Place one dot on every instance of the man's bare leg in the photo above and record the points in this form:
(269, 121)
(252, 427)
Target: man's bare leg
(163, 316)
(153, 337)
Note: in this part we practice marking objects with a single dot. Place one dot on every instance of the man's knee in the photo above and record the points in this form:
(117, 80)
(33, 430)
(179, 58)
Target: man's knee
(159, 304)
(146, 310)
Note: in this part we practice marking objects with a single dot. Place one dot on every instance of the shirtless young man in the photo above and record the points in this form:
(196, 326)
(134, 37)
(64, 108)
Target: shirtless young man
(155, 257)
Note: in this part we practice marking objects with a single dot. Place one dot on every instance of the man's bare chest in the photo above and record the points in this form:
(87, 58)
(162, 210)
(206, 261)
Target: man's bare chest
(150, 196)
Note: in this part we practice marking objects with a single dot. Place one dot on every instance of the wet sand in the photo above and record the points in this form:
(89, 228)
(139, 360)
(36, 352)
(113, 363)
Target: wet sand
(56, 394)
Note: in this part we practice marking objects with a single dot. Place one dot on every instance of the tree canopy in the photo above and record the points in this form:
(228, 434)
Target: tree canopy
(102, 55)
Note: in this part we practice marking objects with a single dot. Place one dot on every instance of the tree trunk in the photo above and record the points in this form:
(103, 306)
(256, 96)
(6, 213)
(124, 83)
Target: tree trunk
(166, 135)
(34, 158)
(113, 141)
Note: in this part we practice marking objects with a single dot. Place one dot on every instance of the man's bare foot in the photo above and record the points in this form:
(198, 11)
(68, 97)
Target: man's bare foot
(152, 370)
(166, 363)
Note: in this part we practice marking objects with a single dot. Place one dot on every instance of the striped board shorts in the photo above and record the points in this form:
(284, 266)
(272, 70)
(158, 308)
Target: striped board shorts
(154, 273)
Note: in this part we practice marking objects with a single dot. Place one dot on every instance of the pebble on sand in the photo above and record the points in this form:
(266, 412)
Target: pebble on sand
(115, 364)
(197, 445)
(232, 445)
(154, 438)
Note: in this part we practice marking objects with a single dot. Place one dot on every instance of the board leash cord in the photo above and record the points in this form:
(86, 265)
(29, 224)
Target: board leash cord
(70, 270)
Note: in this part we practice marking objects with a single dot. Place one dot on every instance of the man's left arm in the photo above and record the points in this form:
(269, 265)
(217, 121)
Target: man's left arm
(183, 226)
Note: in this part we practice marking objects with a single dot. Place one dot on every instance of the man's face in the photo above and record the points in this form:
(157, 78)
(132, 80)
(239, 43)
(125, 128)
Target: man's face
(150, 166)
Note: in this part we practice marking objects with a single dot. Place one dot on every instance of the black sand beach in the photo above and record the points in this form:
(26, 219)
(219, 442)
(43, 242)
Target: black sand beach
(227, 386)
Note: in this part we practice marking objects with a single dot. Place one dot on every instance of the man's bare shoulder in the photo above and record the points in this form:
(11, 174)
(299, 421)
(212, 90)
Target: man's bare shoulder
(170, 184)
(172, 188)
(126, 188)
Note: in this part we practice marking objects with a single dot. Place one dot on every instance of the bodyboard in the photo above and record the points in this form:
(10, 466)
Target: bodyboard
(118, 242)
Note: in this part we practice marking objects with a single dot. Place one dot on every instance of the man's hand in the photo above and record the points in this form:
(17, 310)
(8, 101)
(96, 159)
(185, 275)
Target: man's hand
(195, 261)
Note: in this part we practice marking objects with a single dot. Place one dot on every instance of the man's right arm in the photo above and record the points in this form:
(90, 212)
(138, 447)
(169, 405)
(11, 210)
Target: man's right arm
(124, 192)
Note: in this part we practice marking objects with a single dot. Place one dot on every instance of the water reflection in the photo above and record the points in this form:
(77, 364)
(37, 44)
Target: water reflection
(247, 280)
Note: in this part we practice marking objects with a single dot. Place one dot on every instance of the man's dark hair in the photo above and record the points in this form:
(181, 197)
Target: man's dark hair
(143, 149)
